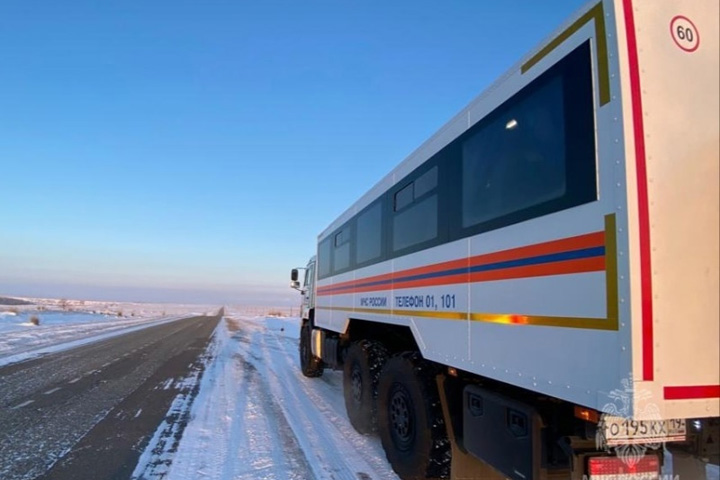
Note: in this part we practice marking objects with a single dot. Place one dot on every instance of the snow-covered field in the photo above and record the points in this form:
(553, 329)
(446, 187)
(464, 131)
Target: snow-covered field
(257, 417)
(66, 324)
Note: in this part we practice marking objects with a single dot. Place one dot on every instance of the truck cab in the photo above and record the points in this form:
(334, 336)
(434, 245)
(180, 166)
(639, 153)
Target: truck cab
(310, 363)
(307, 289)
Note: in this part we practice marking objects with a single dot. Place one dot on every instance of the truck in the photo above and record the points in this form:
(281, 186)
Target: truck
(533, 292)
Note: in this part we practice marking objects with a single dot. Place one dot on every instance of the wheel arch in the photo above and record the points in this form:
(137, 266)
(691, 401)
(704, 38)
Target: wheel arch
(396, 338)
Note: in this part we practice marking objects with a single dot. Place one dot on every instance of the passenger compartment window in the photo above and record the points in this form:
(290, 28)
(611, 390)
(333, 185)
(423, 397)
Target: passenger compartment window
(404, 197)
(416, 220)
(518, 160)
(417, 224)
(535, 154)
(341, 255)
(369, 234)
(324, 266)
(426, 183)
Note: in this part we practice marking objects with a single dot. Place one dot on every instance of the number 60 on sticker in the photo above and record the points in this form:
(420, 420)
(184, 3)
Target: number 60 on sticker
(685, 33)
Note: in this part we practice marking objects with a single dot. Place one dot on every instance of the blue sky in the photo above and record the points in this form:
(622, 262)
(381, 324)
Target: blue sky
(192, 151)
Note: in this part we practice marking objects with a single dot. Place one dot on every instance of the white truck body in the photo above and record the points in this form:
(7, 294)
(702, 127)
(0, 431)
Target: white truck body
(610, 302)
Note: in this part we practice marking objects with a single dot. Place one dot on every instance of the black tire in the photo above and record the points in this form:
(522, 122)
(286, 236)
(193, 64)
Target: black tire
(363, 363)
(310, 365)
(410, 419)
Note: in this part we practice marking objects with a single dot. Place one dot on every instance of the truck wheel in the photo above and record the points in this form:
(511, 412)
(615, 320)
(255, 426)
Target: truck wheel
(410, 419)
(363, 363)
(310, 365)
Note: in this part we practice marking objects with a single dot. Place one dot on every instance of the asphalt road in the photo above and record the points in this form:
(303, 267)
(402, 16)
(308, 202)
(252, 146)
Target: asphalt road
(90, 411)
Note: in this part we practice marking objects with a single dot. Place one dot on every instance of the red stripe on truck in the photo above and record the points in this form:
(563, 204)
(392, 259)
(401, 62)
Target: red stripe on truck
(691, 392)
(648, 369)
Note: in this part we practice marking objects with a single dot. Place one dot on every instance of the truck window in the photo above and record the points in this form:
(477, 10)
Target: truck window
(535, 154)
(341, 252)
(415, 219)
(518, 160)
(369, 234)
(323, 264)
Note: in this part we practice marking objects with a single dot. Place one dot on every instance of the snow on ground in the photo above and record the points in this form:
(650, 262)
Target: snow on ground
(66, 324)
(250, 415)
(257, 417)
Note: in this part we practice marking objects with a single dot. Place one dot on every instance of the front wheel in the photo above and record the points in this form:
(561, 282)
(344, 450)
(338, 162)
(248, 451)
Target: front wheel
(310, 365)
(410, 419)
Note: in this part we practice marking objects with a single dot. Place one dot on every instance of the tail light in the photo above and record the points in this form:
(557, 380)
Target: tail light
(615, 468)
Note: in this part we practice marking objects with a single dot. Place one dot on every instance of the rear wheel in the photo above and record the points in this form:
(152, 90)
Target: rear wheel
(310, 365)
(410, 420)
(363, 363)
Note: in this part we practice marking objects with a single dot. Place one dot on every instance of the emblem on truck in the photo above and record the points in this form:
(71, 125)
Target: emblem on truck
(631, 439)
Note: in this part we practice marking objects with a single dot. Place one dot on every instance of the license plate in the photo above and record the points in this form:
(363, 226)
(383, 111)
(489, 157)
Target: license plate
(624, 431)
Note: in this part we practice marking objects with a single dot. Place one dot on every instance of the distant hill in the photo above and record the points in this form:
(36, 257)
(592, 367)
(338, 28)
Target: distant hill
(13, 301)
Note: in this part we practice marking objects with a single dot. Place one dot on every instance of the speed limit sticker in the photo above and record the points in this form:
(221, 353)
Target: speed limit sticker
(685, 33)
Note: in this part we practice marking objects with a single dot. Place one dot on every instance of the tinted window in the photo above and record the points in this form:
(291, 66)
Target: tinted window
(518, 160)
(369, 234)
(323, 264)
(417, 224)
(341, 253)
(404, 197)
(416, 204)
(426, 182)
(341, 237)
(342, 257)
(535, 154)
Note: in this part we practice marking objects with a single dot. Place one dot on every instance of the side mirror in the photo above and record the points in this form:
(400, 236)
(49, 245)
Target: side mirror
(295, 284)
(294, 275)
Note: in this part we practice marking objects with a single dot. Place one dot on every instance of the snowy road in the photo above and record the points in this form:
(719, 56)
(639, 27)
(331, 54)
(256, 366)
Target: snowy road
(257, 417)
(87, 412)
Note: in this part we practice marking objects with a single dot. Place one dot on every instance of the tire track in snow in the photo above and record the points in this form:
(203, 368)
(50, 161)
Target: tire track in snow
(321, 392)
(238, 431)
(256, 416)
(333, 448)
(275, 452)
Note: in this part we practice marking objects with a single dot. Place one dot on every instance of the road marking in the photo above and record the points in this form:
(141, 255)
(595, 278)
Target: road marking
(105, 364)
(75, 380)
(52, 390)
(24, 404)
(138, 413)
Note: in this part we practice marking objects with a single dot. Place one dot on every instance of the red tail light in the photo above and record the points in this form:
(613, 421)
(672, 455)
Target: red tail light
(615, 468)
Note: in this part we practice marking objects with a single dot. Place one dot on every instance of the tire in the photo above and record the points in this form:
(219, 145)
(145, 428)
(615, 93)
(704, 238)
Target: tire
(410, 419)
(310, 365)
(363, 363)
